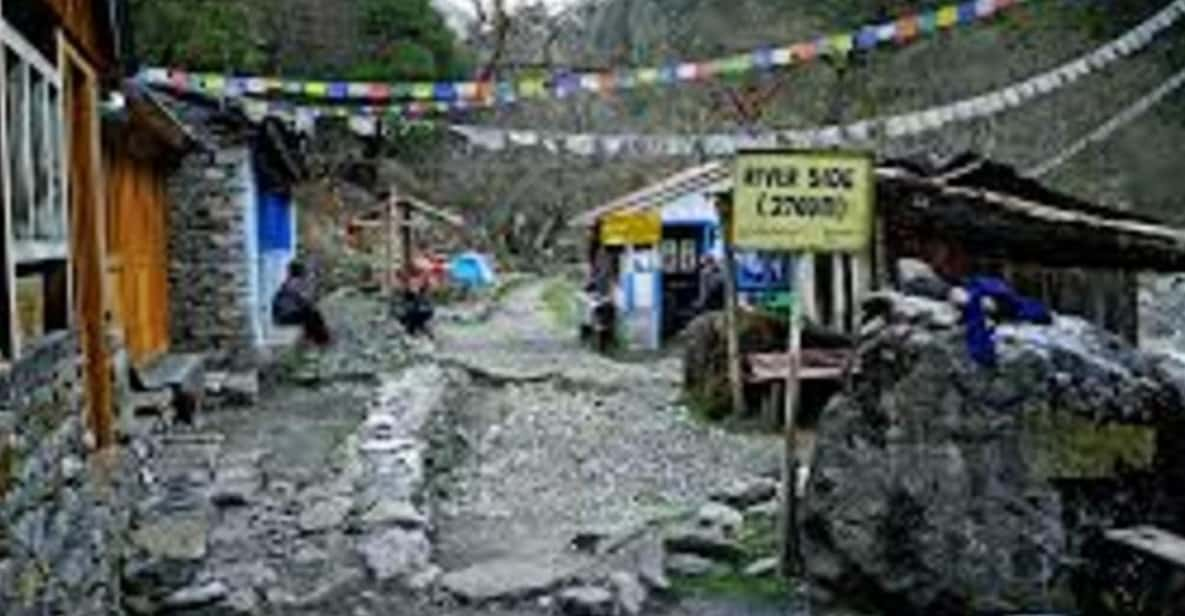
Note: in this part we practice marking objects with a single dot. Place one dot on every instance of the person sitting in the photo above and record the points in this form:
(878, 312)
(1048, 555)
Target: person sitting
(417, 312)
(293, 306)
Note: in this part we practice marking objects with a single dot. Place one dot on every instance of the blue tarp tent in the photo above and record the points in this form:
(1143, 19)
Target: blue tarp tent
(471, 270)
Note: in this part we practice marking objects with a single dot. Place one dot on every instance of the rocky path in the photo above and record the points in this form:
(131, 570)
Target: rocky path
(455, 478)
(562, 444)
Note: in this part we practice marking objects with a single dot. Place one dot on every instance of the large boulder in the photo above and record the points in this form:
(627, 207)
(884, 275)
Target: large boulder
(939, 483)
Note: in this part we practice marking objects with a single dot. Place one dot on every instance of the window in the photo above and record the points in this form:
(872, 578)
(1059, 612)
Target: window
(33, 191)
(33, 151)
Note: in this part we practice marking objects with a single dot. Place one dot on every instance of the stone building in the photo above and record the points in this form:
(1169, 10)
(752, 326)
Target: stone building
(232, 234)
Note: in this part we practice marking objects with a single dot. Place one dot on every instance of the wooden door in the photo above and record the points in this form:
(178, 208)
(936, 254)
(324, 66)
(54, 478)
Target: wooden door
(86, 239)
(137, 248)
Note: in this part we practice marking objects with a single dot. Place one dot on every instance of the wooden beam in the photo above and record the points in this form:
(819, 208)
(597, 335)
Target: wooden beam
(736, 387)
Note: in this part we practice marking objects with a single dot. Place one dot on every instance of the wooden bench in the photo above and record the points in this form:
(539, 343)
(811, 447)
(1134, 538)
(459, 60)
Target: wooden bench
(769, 370)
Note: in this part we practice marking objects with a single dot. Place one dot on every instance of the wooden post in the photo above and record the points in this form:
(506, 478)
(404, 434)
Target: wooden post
(405, 239)
(388, 248)
(736, 387)
(788, 523)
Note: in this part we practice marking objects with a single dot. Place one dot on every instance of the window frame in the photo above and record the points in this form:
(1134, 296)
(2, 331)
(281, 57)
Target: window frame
(27, 247)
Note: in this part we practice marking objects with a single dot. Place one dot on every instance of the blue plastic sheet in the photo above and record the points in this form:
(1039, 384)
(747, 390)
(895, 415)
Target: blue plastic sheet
(471, 270)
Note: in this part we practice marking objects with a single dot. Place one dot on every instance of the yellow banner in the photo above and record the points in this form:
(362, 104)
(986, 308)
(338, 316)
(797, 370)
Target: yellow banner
(803, 201)
(631, 229)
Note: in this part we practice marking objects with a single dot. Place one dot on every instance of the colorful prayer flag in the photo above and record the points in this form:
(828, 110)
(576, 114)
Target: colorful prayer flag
(444, 91)
(357, 89)
(338, 90)
(985, 8)
(947, 16)
(531, 88)
(688, 71)
(907, 28)
(401, 91)
(422, 91)
(763, 58)
(378, 92)
(866, 38)
(625, 79)
(647, 76)
(606, 82)
(805, 52)
(841, 44)
(928, 22)
(967, 12)
(316, 89)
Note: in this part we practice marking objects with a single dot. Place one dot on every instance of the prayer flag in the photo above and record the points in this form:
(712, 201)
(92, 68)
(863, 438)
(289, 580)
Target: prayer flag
(840, 44)
(316, 89)
(907, 28)
(947, 16)
(866, 38)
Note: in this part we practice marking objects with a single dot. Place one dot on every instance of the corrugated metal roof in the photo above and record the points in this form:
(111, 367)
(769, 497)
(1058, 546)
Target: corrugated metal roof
(696, 179)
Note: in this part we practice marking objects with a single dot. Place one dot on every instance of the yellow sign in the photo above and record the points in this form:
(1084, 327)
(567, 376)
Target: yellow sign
(810, 201)
(631, 229)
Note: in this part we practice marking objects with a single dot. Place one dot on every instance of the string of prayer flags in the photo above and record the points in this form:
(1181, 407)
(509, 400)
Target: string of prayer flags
(561, 84)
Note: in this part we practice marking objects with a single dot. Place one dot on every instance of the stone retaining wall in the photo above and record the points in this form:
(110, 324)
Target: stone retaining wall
(64, 511)
(209, 277)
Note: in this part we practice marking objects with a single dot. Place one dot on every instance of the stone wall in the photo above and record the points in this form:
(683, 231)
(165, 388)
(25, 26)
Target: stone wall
(208, 269)
(64, 511)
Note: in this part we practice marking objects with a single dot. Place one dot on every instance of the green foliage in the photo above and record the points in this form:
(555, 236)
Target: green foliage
(210, 35)
(410, 40)
(560, 298)
(759, 539)
(395, 39)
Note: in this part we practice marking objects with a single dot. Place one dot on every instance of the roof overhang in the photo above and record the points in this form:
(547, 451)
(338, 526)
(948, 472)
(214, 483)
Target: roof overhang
(710, 177)
(1155, 245)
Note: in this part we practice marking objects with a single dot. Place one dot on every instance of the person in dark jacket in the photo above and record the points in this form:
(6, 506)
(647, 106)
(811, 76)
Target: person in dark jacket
(417, 312)
(293, 306)
(711, 286)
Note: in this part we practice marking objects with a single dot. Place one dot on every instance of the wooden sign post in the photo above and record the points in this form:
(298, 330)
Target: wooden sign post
(798, 202)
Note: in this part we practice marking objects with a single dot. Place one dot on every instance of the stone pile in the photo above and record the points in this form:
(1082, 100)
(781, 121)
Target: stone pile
(939, 484)
(615, 572)
(220, 535)
(63, 507)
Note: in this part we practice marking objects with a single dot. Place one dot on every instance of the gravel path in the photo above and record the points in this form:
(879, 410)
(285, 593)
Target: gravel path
(593, 444)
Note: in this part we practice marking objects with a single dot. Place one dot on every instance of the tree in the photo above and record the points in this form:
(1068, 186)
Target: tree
(209, 35)
(409, 39)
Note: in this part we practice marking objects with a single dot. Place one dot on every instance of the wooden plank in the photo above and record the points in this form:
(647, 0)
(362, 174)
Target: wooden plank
(1155, 541)
(789, 524)
(87, 239)
(80, 22)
